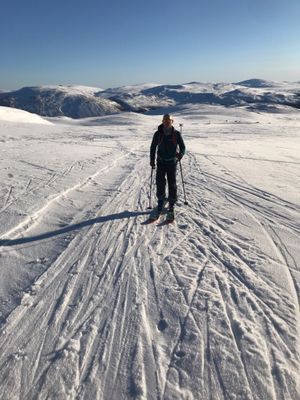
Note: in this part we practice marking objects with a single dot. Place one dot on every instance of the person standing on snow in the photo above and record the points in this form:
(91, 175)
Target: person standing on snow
(166, 140)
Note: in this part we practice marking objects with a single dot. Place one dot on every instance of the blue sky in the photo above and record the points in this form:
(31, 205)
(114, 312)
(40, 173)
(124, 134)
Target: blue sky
(112, 42)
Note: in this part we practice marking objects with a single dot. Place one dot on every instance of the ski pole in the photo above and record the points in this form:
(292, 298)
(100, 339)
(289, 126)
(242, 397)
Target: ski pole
(181, 125)
(185, 201)
(150, 206)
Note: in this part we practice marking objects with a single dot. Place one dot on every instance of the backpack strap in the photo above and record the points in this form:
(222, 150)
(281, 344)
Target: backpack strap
(174, 137)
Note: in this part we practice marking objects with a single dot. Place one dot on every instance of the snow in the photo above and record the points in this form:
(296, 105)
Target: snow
(52, 101)
(128, 89)
(68, 90)
(14, 115)
(95, 304)
(83, 102)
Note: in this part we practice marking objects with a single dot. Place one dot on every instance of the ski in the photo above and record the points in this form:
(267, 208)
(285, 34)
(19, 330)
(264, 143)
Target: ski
(151, 220)
(156, 214)
(153, 217)
(170, 218)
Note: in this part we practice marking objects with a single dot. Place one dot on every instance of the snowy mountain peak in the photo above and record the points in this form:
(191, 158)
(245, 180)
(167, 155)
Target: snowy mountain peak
(67, 90)
(256, 83)
(70, 101)
(77, 101)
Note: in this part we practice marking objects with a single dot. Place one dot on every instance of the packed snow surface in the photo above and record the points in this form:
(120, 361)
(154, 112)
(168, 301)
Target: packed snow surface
(96, 304)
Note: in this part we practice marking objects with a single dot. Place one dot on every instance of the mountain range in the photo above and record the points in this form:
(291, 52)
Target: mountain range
(84, 101)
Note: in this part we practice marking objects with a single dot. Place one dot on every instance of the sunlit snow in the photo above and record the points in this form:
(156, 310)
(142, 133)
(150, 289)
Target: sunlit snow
(95, 304)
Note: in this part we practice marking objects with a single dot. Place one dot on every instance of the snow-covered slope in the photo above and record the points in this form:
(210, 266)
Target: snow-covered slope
(80, 101)
(51, 101)
(15, 115)
(258, 83)
(96, 304)
(253, 91)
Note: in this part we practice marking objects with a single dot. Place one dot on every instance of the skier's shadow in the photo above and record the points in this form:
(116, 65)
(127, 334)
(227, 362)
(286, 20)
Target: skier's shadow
(71, 228)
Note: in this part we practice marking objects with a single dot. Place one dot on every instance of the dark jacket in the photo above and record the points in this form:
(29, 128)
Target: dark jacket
(166, 146)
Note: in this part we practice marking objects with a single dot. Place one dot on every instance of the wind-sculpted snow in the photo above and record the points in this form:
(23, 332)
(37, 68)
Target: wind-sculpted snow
(96, 304)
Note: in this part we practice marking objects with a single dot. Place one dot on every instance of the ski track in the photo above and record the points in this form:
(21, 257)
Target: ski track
(117, 315)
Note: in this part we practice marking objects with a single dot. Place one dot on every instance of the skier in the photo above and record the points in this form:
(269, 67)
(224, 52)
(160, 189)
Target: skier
(166, 140)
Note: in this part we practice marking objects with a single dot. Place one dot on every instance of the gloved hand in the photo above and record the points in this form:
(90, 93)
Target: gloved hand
(178, 156)
(152, 164)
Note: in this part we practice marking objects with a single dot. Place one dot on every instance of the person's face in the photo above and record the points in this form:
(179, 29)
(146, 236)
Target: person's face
(167, 122)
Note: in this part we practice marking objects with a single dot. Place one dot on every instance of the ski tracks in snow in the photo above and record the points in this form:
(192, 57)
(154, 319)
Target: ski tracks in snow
(181, 311)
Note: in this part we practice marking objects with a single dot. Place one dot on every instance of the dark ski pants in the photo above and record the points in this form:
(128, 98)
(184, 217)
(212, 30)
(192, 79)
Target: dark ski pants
(169, 171)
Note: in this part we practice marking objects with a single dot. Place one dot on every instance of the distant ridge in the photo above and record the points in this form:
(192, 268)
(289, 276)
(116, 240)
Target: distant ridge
(83, 101)
(256, 83)
(53, 101)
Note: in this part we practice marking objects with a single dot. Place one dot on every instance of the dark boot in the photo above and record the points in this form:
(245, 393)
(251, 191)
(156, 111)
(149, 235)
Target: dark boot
(170, 214)
(160, 205)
